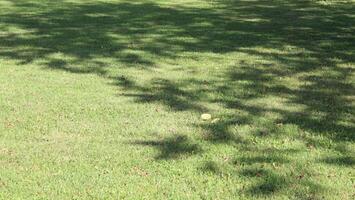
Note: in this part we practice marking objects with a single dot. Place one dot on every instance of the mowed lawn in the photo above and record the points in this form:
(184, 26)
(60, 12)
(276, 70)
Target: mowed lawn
(102, 99)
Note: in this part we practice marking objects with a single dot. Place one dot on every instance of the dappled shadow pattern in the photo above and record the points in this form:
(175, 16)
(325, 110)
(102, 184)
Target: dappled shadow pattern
(261, 168)
(270, 182)
(341, 160)
(300, 51)
(163, 91)
(120, 31)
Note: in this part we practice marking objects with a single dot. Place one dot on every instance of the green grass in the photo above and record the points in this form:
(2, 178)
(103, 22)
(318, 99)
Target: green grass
(102, 99)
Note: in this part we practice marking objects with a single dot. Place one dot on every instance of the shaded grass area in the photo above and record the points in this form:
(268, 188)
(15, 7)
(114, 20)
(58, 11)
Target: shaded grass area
(277, 75)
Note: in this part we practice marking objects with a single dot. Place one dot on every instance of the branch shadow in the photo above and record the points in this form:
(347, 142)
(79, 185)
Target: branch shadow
(175, 147)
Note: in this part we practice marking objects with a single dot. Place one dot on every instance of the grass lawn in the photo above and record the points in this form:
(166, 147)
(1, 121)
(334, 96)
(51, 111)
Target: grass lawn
(101, 99)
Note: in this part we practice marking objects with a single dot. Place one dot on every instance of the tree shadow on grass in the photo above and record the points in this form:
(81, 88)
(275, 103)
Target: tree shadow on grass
(269, 182)
(172, 148)
(128, 33)
(304, 40)
(348, 160)
(163, 91)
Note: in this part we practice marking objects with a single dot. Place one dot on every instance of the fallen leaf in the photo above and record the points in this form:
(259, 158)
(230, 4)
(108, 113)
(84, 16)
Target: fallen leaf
(274, 165)
(206, 116)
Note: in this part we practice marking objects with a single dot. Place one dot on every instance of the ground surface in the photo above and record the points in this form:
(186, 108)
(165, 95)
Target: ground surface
(102, 99)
